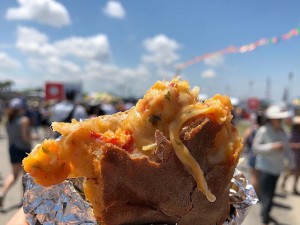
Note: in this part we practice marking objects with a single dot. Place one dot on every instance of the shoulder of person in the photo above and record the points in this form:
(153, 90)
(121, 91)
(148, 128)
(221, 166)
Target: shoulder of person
(79, 108)
(80, 112)
(261, 130)
(62, 104)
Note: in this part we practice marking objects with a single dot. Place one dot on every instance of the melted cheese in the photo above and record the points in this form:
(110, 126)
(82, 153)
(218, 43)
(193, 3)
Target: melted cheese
(181, 150)
(185, 156)
(167, 106)
(175, 104)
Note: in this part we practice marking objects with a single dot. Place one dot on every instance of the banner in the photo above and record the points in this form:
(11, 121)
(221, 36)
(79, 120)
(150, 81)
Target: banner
(241, 49)
(57, 90)
(54, 91)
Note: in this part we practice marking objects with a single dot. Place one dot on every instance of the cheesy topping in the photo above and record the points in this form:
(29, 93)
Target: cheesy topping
(182, 152)
(166, 106)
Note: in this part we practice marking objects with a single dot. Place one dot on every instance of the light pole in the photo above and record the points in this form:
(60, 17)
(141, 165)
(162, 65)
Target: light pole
(250, 88)
(291, 76)
(268, 89)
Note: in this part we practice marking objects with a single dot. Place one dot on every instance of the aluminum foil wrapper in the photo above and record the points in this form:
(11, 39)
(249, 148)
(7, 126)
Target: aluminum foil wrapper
(65, 204)
(55, 205)
(241, 196)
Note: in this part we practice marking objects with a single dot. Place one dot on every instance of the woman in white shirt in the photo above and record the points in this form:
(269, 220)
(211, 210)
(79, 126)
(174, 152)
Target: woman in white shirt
(272, 147)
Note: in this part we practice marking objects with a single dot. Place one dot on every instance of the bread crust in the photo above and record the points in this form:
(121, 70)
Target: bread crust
(157, 188)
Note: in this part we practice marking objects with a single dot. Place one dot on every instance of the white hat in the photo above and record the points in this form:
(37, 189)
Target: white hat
(277, 112)
(17, 103)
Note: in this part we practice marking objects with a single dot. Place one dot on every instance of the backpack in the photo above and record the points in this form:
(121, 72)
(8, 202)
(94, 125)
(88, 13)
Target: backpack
(66, 120)
(70, 116)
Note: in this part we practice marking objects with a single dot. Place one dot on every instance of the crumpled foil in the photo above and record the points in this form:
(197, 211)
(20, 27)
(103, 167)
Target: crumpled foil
(55, 205)
(241, 197)
(65, 204)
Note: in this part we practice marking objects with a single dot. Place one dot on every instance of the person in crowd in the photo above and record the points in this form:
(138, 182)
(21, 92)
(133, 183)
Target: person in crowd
(295, 146)
(19, 141)
(68, 109)
(1, 110)
(35, 117)
(45, 119)
(62, 110)
(95, 110)
(249, 134)
(130, 103)
(271, 146)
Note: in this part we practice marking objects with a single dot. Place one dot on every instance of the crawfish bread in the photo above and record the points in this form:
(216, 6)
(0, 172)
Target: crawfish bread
(169, 159)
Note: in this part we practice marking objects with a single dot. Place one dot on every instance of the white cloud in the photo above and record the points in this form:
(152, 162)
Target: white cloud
(36, 44)
(95, 47)
(161, 50)
(214, 61)
(162, 54)
(54, 66)
(209, 73)
(33, 42)
(48, 12)
(114, 9)
(114, 78)
(86, 58)
(7, 62)
(63, 59)
(95, 69)
(161, 43)
(4, 76)
(89, 59)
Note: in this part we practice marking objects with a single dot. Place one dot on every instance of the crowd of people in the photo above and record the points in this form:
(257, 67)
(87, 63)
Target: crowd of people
(273, 148)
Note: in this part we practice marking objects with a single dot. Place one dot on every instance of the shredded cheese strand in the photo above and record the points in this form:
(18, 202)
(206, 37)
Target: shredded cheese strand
(183, 153)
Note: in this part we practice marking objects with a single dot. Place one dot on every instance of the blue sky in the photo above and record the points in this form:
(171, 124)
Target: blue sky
(125, 46)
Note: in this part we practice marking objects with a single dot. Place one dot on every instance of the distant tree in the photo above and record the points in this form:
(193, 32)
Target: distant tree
(5, 86)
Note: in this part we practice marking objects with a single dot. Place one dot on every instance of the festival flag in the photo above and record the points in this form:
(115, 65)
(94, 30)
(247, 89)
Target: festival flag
(241, 49)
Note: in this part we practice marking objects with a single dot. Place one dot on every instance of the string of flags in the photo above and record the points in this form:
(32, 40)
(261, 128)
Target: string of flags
(241, 49)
